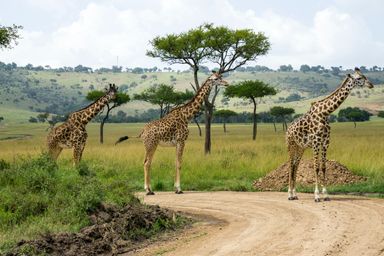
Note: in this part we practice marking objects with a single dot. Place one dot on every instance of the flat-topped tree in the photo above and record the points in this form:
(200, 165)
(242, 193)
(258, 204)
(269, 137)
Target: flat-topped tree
(164, 96)
(224, 114)
(227, 49)
(251, 90)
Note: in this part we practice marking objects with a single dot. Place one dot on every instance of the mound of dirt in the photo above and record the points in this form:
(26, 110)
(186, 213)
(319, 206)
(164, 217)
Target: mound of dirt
(336, 174)
(113, 231)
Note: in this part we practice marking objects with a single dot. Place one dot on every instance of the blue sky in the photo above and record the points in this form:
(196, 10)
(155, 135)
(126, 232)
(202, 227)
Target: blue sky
(93, 33)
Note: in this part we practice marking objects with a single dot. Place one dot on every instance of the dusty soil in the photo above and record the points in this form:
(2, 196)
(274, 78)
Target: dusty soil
(266, 223)
(336, 174)
(113, 231)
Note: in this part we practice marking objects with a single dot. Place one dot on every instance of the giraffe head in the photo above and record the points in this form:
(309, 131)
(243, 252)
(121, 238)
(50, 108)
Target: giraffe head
(112, 91)
(216, 79)
(360, 80)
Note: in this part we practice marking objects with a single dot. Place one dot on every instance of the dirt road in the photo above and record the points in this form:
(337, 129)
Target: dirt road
(269, 224)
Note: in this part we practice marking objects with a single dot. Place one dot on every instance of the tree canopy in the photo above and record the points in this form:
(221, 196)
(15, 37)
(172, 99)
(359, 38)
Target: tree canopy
(250, 89)
(164, 96)
(9, 35)
(354, 115)
(228, 48)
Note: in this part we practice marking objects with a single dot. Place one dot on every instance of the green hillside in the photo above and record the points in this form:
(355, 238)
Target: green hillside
(24, 92)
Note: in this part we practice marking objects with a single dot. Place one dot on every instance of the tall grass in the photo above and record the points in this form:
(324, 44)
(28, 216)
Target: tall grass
(234, 163)
(38, 196)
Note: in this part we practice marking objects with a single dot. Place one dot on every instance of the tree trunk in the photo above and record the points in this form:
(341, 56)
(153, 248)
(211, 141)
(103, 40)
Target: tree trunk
(274, 125)
(225, 128)
(198, 125)
(208, 120)
(254, 120)
(354, 124)
(102, 125)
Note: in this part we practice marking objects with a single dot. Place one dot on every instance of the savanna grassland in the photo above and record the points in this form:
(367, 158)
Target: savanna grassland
(235, 161)
(36, 197)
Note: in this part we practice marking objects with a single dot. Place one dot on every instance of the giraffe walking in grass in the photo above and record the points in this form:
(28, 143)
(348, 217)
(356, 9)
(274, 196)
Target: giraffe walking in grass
(172, 130)
(312, 130)
(72, 133)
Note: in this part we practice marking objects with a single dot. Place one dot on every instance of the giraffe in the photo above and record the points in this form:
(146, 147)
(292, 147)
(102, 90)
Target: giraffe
(172, 130)
(72, 133)
(312, 130)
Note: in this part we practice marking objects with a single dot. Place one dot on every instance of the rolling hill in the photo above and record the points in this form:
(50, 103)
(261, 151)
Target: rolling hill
(23, 93)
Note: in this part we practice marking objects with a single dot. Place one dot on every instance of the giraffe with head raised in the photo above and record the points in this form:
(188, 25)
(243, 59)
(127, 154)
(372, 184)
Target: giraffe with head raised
(172, 130)
(72, 133)
(312, 130)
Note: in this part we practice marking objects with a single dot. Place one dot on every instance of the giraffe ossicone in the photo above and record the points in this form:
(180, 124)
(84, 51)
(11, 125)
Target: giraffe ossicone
(312, 130)
(72, 133)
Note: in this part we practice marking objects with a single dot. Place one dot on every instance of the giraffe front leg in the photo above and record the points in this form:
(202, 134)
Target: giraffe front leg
(323, 169)
(179, 156)
(316, 168)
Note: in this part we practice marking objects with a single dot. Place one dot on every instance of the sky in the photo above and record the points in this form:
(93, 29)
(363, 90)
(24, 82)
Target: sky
(102, 33)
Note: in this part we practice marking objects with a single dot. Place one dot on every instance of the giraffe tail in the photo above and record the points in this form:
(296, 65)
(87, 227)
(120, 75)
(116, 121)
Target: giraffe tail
(121, 139)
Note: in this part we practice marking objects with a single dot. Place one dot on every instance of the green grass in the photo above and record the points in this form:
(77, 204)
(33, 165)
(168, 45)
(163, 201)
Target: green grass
(48, 198)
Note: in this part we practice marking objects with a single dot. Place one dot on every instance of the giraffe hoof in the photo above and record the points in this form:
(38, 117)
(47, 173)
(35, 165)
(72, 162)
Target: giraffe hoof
(317, 200)
(327, 199)
(150, 193)
(293, 198)
(179, 192)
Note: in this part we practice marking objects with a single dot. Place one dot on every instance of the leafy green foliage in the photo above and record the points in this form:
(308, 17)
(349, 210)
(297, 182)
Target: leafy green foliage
(164, 96)
(9, 35)
(249, 89)
(380, 114)
(353, 115)
(224, 113)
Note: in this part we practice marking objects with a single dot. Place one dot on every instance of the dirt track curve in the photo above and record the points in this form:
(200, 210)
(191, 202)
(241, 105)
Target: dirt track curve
(266, 223)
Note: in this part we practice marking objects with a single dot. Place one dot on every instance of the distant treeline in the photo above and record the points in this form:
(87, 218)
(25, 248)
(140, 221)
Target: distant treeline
(335, 70)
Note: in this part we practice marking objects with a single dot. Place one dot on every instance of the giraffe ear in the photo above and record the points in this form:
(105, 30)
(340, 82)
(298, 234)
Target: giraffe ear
(349, 75)
(357, 69)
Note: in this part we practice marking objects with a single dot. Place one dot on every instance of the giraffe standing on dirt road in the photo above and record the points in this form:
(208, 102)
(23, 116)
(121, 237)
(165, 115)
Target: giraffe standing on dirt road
(312, 130)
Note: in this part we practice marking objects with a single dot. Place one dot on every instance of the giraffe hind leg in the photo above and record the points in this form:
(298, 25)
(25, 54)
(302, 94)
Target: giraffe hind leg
(147, 170)
(295, 154)
(54, 151)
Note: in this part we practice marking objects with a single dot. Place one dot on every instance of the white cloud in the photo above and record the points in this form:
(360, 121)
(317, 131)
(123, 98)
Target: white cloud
(102, 31)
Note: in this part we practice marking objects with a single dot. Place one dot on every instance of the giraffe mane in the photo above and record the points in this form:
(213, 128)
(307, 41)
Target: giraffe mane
(191, 100)
(333, 93)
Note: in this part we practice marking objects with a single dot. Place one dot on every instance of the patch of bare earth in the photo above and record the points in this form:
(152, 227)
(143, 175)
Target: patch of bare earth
(113, 231)
(336, 174)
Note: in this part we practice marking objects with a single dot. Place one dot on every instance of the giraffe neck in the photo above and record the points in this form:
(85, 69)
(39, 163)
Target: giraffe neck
(334, 100)
(190, 109)
(86, 114)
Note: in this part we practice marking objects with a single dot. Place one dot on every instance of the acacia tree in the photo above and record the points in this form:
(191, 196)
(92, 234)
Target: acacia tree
(224, 114)
(250, 89)
(282, 114)
(9, 35)
(227, 48)
(164, 96)
(121, 98)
